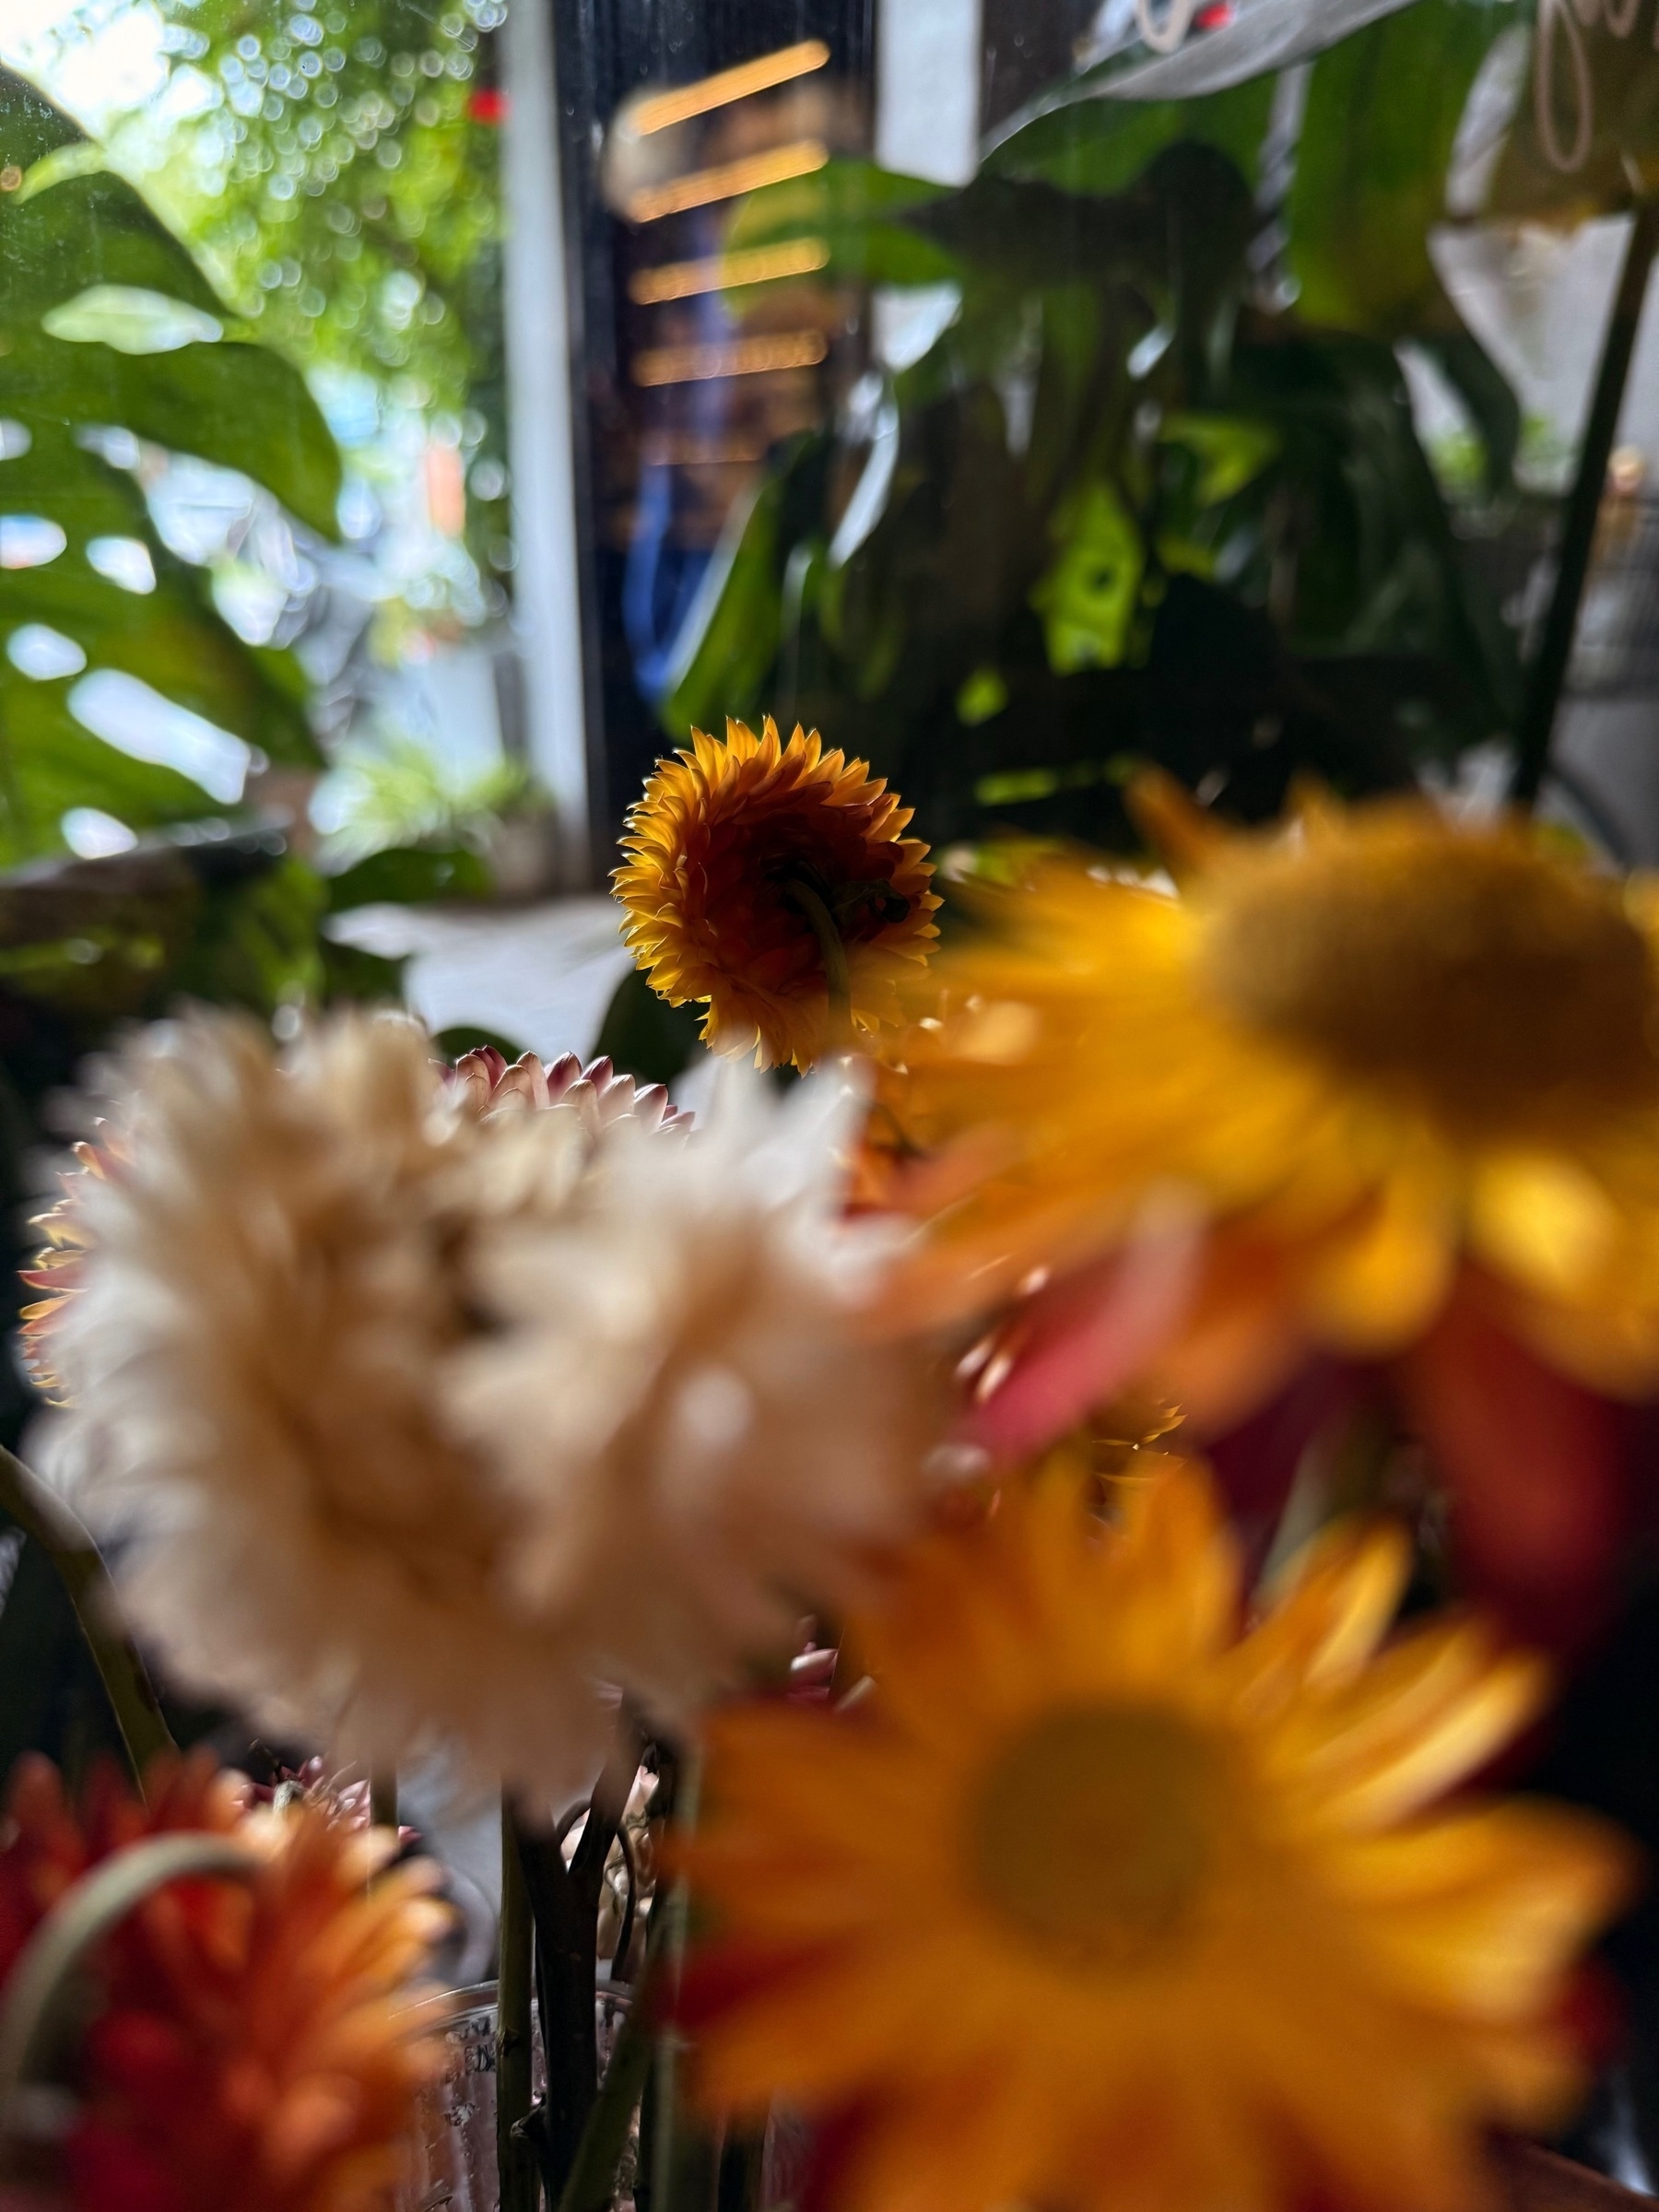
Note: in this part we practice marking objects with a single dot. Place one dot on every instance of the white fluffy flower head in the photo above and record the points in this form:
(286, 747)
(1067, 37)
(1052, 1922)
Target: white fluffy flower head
(703, 1434)
(428, 1428)
(272, 1282)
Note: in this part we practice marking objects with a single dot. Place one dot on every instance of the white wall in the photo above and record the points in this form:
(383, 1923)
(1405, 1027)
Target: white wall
(927, 88)
(548, 617)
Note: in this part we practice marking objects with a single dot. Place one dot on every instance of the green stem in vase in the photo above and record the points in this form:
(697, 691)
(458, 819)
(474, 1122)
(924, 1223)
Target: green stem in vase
(46, 1521)
(593, 2177)
(515, 2162)
(564, 1903)
(682, 2164)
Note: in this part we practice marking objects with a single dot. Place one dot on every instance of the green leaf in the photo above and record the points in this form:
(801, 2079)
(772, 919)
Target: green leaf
(234, 404)
(172, 638)
(731, 636)
(1376, 142)
(83, 260)
(1231, 451)
(1097, 147)
(49, 764)
(1088, 598)
(644, 1036)
(856, 209)
(85, 230)
(257, 944)
(409, 876)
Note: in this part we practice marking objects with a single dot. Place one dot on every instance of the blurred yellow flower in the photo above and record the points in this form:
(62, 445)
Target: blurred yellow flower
(1375, 1047)
(1100, 1900)
(745, 858)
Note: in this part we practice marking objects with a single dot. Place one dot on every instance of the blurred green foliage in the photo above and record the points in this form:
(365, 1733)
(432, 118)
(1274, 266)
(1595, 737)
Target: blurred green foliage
(71, 234)
(335, 164)
(396, 792)
(1156, 489)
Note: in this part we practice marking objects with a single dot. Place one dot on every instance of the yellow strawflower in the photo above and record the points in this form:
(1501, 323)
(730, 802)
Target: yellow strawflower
(1385, 1054)
(753, 870)
(1102, 1899)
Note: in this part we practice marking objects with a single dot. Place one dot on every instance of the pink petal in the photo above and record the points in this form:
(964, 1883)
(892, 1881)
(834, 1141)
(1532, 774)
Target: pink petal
(1074, 1344)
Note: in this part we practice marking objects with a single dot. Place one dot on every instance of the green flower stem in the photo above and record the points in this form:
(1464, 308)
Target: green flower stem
(593, 2177)
(681, 2175)
(50, 1523)
(564, 1901)
(838, 980)
(515, 2161)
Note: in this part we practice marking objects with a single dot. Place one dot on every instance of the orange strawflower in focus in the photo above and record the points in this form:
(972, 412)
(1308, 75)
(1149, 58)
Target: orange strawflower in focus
(747, 860)
(253, 2045)
(1102, 1898)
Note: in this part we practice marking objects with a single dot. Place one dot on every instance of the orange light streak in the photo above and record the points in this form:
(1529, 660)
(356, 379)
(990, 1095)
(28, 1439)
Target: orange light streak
(742, 357)
(701, 188)
(721, 272)
(718, 91)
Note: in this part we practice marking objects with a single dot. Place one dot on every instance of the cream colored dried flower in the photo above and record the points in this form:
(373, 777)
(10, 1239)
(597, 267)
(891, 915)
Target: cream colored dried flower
(704, 1437)
(270, 1283)
(428, 1428)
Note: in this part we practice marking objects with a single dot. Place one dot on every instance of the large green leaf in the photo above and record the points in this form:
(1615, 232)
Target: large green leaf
(1371, 164)
(857, 211)
(1091, 146)
(49, 764)
(66, 234)
(234, 404)
(733, 638)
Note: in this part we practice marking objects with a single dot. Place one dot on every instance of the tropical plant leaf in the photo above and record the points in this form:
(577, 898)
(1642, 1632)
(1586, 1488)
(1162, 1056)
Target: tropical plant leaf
(1088, 145)
(857, 211)
(87, 589)
(1371, 164)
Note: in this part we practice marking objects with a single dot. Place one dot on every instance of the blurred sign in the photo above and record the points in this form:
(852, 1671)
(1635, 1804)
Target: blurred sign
(1564, 87)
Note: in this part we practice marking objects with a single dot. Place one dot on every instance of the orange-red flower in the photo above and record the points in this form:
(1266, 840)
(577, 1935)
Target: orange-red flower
(254, 2043)
(743, 856)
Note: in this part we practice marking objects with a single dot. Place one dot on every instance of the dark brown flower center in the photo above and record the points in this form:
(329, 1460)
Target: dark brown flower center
(1501, 987)
(1092, 1831)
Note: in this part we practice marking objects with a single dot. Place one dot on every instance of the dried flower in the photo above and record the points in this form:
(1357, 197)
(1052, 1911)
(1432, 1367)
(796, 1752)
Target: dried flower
(734, 850)
(274, 1279)
(1379, 1048)
(254, 2044)
(1098, 1899)
(56, 1269)
(481, 1082)
(487, 1084)
(421, 1423)
(702, 1437)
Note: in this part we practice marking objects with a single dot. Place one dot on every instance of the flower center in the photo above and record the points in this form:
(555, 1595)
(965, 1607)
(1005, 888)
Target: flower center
(1093, 1830)
(1499, 985)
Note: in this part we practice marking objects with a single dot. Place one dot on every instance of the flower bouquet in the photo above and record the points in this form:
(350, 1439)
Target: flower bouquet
(1009, 1585)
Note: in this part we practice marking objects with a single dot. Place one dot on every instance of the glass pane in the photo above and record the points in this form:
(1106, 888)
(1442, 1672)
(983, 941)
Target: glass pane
(1019, 393)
